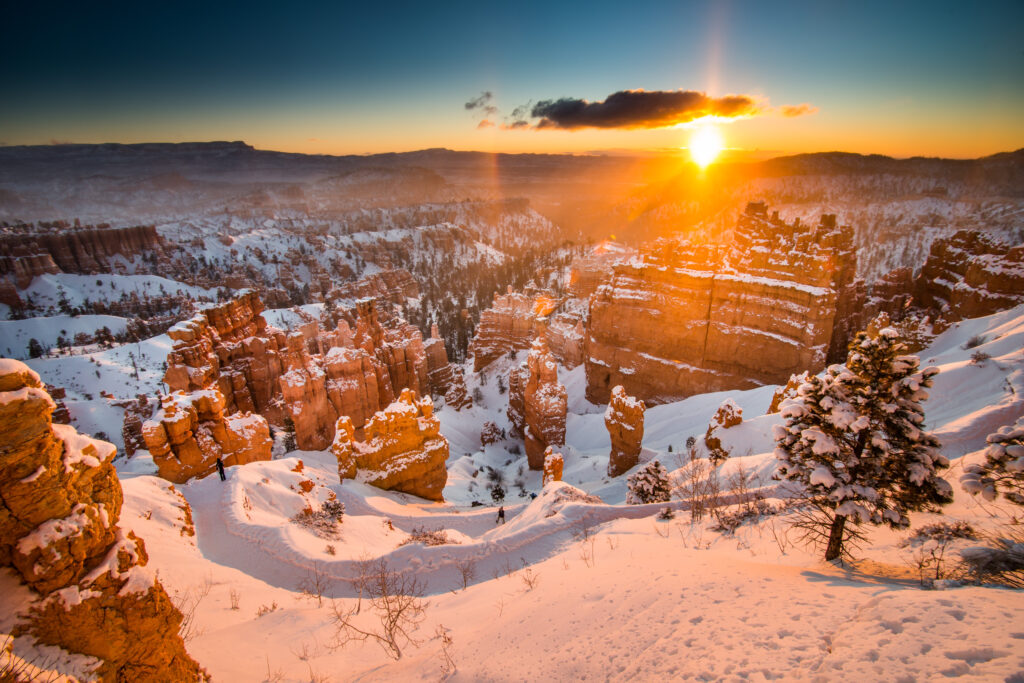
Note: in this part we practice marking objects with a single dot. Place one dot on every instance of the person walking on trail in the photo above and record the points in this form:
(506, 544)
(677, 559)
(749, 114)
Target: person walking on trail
(220, 469)
(501, 516)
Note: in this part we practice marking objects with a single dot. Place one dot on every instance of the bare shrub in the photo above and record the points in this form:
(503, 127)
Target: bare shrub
(1001, 562)
(530, 578)
(316, 583)
(974, 342)
(428, 537)
(467, 570)
(263, 610)
(697, 481)
(323, 522)
(398, 602)
(187, 603)
(235, 598)
(447, 650)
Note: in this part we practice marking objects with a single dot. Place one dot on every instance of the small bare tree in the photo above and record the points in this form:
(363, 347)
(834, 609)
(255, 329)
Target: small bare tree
(316, 583)
(467, 570)
(447, 650)
(398, 602)
(697, 481)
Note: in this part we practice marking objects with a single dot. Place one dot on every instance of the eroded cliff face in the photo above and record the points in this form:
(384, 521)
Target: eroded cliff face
(624, 419)
(970, 275)
(515, 319)
(545, 404)
(686, 319)
(311, 376)
(59, 532)
(444, 378)
(190, 431)
(73, 250)
(403, 449)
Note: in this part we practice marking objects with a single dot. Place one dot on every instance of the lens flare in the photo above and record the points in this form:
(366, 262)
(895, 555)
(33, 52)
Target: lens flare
(705, 145)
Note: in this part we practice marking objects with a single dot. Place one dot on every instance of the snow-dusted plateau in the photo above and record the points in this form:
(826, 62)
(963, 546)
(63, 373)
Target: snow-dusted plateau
(410, 368)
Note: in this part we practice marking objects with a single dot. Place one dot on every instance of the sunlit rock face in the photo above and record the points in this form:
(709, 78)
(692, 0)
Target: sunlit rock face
(624, 419)
(545, 404)
(970, 275)
(515, 319)
(685, 319)
(403, 449)
(312, 375)
(444, 378)
(190, 431)
(59, 534)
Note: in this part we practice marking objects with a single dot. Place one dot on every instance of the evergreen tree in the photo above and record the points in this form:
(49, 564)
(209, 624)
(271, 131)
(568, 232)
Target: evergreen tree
(855, 440)
(289, 434)
(649, 485)
(1002, 473)
(35, 349)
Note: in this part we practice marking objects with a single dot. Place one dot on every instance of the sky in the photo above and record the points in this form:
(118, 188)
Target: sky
(896, 78)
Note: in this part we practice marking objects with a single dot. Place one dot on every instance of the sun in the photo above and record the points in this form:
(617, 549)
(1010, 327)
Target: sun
(705, 145)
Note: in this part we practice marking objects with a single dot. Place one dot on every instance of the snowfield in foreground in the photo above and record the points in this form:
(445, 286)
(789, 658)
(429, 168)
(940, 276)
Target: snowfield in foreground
(574, 587)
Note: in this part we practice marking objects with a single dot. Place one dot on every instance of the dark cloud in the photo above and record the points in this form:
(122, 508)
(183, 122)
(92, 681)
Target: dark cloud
(483, 102)
(791, 110)
(640, 109)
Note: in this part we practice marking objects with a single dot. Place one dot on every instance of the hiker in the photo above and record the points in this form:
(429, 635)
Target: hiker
(501, 516)
(220, 469)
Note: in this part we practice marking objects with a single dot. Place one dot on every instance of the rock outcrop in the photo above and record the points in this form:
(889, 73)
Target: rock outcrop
(311, 375)
(59, 533)
(624, 419)
(727, 416)
(515, 319)
(190, 431)
(545, 404)
(970, 275)
(403, 449)
(789, 390)
(687, 318)
(444, 378)
(553, 464)
(73, 250)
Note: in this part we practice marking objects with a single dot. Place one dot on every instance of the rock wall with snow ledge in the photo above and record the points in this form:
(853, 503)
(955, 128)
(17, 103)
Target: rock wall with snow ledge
(684, 319)
(59, 533)
(515, 319)
(403, 449)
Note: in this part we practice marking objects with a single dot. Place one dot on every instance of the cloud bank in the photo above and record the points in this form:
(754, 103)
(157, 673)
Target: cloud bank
(640, 109)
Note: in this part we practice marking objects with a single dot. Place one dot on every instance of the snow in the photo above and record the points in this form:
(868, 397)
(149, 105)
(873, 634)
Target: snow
(15, 334)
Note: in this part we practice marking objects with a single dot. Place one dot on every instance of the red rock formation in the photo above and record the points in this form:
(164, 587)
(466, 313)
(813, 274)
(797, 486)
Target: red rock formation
(688, 319)
(135, 413)
(190, 431)
(312, 375)
(728, 415)
(553, 463)
(969, 275)
(624, 419)
(517, 379)
(403, 450)
(784, 392)
(81, 250)
(545, 405)
(588, 272)
(515, 320)
(59, 533)
(444, 378)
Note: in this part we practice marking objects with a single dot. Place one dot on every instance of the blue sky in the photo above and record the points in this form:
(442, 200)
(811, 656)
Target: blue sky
(899, 78)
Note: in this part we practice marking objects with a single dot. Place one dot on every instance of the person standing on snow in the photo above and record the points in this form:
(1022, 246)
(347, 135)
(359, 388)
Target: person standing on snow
(501, 516)
(220, 469)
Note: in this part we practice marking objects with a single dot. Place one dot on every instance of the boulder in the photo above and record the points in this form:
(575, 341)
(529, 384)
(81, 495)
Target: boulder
(728, 415)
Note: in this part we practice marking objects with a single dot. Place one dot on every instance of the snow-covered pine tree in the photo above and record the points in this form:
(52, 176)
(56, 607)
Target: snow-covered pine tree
(649, 485)
(855, 439)
(1002, 473)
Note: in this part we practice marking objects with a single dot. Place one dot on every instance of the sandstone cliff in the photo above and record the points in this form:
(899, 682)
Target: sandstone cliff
(59, 533)
(970, 275)
(73, 250)
(686, 318)
(624, 419)
(515, 319)
(403, 449)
